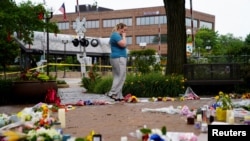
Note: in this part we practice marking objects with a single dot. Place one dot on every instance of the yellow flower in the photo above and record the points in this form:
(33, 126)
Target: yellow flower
(90, 136)
(182, 98)
(12, 135)
(221, 93)
(216, 97)
(225, 101)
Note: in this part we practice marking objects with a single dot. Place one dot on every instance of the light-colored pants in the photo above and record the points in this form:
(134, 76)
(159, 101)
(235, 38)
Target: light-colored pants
(119, 69)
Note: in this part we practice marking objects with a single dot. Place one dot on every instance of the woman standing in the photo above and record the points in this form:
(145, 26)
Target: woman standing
(118, 61)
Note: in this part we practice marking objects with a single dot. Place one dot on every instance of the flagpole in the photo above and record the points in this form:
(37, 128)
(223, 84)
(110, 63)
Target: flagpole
(78, 9)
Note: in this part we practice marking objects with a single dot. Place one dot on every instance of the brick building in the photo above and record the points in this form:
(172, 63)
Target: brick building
(145, 25)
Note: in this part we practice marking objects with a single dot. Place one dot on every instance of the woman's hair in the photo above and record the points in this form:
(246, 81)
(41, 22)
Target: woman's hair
(119, 26)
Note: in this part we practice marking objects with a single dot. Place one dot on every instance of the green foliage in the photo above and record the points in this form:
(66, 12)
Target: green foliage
(104, 85)
(145, 85)
(145, 130)
(92, 79)
(31, 75)
(205, 37)
(11, 68)
(164, 130)
(145, 52)
(145, 61)
(22, 19)
(225, 100)
(61, 82)
(247, 40)
(154, 84)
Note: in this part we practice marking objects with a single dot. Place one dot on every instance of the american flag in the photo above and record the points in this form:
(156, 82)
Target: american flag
(63, 10)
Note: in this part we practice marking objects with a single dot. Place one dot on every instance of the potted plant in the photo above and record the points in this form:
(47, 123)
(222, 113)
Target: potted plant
(224, 106)
(32, 86)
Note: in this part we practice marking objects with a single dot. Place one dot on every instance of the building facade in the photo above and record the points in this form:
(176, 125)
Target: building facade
(147, 27)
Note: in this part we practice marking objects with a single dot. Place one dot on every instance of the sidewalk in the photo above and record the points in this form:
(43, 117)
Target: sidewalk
(75, 93)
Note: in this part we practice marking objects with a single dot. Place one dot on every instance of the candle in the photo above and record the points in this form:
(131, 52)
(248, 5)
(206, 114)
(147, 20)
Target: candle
(247, 118)
(231, 120)
(124, 138)
(199, 118)
(61, 117)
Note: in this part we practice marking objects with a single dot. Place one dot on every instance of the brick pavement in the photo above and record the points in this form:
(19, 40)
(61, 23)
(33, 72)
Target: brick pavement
(75, 93)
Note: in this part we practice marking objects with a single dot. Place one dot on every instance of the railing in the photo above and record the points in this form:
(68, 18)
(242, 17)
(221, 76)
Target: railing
(198, 74)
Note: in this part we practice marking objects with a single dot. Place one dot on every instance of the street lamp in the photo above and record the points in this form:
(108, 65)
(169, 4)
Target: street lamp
(143, 45)
(47, 17)
(64, 42)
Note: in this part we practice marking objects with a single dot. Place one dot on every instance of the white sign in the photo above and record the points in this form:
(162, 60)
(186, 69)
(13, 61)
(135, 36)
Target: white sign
(80, 25)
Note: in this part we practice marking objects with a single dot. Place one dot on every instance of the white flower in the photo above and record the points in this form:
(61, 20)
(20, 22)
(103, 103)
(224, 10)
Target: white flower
(41, 131)
(156, 131)
(53, 132)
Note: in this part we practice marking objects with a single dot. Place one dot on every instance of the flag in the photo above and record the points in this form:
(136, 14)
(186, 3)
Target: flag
(63, 10)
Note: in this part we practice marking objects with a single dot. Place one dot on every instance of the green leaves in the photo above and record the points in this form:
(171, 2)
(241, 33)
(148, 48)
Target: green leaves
(164, 130)
(145, 131)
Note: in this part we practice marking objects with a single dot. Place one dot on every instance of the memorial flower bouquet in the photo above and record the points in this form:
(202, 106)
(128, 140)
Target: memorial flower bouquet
(44, 134)
(31, 75)
(154, 134)
(224, 101)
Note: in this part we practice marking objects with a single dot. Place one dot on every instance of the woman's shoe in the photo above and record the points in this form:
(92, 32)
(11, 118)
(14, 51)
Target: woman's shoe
(113, 96)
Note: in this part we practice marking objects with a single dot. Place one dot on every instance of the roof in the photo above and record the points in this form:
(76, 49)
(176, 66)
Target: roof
(56, 45)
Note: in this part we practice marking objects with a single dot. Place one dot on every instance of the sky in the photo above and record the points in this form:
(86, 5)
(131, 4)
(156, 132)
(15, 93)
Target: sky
(231, 16)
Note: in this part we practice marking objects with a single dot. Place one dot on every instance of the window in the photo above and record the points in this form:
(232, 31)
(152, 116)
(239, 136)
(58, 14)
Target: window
(150, 20)
(63, 25)
(113, 22)
(151, 39)
(129, 40)
(188, 22)
(92, 24)
(206, 24)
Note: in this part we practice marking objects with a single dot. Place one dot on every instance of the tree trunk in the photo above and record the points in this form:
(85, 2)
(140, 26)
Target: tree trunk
(176, 36)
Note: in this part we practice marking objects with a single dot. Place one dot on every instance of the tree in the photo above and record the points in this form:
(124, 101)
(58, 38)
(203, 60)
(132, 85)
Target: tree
(206, 40)
(176, 36)
(8, 47)
(23, 20)
(229, 45)
(247, 40)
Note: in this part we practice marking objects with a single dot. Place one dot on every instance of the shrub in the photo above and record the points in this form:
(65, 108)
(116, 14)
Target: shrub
(103, 85)
(92, 79)
(154, 84)
(146, 85)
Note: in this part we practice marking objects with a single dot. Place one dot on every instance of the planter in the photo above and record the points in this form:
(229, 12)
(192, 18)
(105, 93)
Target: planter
(221, 115)
(31, 91)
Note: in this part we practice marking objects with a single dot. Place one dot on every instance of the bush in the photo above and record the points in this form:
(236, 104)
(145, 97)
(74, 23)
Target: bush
(103, 85)
(146, 85)
(92, 79)
(154, 85)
